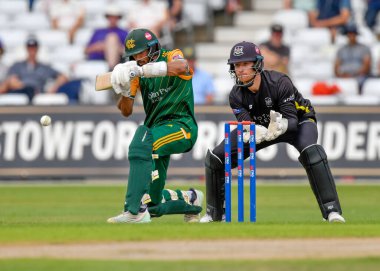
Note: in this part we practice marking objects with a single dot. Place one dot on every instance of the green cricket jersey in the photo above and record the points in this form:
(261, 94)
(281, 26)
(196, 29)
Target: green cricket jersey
(168, 98)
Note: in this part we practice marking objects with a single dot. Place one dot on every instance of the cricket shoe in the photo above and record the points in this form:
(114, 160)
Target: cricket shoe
(127, 217)
(207, 218)
(334, 217)
(197, 200)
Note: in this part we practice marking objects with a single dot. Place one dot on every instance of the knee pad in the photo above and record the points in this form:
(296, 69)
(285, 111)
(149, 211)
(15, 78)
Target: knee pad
(314, 160)
(214, 169)
(141, 146)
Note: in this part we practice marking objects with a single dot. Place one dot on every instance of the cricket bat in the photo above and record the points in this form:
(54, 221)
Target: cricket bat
(103, 81)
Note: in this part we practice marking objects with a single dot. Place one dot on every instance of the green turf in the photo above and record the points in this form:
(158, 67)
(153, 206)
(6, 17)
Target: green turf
(367, 264)
(36, 214)
(75, 213)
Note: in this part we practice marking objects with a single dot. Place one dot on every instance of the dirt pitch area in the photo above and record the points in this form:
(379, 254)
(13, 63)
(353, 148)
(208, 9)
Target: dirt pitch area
(202, 250)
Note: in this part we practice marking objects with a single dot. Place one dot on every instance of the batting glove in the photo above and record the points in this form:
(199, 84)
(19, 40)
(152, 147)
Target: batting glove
(120, 81)
(277, 126)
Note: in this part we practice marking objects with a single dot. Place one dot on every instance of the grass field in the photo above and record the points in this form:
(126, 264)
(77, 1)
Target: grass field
(76, 213)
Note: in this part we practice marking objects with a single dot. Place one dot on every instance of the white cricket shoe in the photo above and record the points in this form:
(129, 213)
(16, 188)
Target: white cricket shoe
(127, 217)
(207, 219)
(197, 202)
(335, 217)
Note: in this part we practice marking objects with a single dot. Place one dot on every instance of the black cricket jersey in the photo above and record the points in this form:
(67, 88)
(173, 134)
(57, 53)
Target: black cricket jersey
(276, 92)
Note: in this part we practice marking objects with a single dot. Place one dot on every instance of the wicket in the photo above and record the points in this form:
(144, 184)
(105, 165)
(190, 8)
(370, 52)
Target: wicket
(252, 173)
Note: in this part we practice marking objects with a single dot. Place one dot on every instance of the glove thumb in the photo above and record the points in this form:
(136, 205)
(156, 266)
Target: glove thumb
(275, 116)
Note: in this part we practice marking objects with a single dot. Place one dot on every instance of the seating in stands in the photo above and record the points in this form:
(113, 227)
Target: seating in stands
(13, 99)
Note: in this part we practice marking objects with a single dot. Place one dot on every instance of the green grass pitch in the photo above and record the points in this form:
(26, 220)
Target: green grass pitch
(76, 213)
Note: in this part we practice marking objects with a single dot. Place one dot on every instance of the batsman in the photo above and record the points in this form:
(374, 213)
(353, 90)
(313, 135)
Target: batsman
(165, 81)
(281, 114)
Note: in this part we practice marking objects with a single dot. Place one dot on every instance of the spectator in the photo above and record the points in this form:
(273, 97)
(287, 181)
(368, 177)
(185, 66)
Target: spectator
(30, 5)
(332, 14)
(175, 12)
(107, 43)
(373, 8)
(30, 76)
(233, 6)
(275, 52)
(203, 83)
(3, 69)
(150, 14)
(67, 15)
(305, 5)
(354, 59)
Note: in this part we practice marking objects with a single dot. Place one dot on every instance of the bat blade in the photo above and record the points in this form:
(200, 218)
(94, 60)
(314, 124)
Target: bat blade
(103, 81)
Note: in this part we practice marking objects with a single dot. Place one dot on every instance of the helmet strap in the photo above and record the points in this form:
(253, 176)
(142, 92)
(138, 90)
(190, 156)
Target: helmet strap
(257, 68)
(154, 52)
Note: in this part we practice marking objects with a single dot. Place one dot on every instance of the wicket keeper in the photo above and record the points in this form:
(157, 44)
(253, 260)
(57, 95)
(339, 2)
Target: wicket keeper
(165, 81)
(281, 114)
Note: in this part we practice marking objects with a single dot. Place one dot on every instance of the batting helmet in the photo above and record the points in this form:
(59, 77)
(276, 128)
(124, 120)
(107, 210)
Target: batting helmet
(245, 52)
(139, 40)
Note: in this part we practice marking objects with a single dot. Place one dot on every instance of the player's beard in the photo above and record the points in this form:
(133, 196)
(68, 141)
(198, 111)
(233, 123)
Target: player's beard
(142, 61)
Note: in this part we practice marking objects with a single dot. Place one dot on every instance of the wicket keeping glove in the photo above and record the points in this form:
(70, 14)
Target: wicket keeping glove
(260, 135)
(277, 126)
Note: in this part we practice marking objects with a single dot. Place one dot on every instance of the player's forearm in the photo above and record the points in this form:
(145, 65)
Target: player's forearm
(162, 68)
(292, 125)
(178, 67)
(288, 112)
(125, 106)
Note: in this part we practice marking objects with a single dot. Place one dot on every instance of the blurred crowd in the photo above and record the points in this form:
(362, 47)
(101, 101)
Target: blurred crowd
(57, 47)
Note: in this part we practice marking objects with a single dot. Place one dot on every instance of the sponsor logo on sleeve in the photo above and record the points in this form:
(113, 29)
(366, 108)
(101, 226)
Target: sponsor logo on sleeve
(236, 111)
(178, 56)
(290, 98)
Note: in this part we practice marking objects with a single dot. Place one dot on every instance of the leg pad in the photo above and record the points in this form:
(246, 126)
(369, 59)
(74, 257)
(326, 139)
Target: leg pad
(214, 168)
(314, 160)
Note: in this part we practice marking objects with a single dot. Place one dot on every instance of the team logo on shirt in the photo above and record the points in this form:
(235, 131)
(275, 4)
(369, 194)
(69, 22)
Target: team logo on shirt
(268, 102)
(130, 44)
(238, 51)
(148, 36)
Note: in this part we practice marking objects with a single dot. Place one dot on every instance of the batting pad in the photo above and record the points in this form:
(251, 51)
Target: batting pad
(140, 168)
